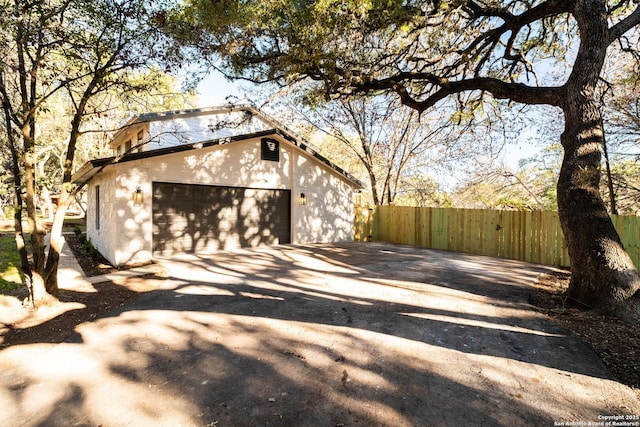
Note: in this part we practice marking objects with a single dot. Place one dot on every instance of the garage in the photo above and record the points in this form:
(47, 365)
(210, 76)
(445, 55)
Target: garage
(191, 218)
(185, 186)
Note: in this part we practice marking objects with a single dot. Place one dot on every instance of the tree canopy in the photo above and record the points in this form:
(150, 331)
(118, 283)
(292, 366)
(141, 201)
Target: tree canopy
(79, 51)
(422, 50)
(387, 138)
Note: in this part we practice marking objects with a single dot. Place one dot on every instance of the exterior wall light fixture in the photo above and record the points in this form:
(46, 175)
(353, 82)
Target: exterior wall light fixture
(137, 197)
(302, 200)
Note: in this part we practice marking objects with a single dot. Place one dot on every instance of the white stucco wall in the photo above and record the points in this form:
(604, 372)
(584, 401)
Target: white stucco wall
(327, 216)
(102, 238)
(236, 164)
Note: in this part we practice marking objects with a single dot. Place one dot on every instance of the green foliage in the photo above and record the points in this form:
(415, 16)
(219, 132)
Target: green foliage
(422, 191)
(89, 248)
(246, 32)
(93, 252)
(9, 264)
(531, 188)
(367, 46)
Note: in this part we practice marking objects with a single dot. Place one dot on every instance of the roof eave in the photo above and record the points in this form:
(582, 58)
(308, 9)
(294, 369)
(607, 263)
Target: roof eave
(91, 168)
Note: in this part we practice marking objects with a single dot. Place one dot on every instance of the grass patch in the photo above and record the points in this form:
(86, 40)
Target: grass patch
(71, 223)
(9, 264)
(9, 257)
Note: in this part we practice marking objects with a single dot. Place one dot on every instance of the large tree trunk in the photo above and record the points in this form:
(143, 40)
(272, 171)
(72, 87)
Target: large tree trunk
(56, 243)
(39, 294)
(66, 196)
(602, 273)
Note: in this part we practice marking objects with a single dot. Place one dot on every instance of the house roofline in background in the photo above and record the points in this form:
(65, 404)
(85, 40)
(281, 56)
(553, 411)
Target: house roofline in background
(204, 111)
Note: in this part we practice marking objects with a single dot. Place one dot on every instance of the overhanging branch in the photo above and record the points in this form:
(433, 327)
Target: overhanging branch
(625, 25)
(500, 89)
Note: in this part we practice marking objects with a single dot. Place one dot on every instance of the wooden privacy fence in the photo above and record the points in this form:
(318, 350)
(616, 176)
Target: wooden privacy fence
(533, 236)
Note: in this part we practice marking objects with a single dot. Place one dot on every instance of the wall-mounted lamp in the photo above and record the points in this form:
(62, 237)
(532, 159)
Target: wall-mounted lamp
(137, 197)
(302, 199)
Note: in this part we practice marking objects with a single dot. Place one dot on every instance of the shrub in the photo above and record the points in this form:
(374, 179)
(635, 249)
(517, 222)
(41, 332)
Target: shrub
(93, 252)
(90, 249)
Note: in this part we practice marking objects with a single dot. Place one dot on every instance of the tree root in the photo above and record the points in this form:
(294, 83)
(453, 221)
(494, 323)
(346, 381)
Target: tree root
(630, 310)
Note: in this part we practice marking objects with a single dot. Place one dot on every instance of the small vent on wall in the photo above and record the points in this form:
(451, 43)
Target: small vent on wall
(270, 150)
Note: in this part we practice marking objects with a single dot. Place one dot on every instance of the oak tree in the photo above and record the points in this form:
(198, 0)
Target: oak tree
(78, 48)
(387, 138)
(425, 52)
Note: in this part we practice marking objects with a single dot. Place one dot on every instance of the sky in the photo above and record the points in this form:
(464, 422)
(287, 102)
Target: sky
(216, 90)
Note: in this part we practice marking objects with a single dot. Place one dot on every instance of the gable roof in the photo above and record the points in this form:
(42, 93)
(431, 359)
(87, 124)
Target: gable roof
(205, 111)
(93, 167)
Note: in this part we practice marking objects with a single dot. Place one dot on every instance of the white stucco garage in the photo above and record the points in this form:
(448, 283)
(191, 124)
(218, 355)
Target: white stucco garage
(169, 189)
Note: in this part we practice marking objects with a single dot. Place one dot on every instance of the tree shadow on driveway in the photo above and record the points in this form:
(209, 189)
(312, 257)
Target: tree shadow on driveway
(346, 334)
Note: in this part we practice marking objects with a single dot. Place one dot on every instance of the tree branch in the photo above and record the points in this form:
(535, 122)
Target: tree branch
(512, 23)
(625, 25)
(516, 92)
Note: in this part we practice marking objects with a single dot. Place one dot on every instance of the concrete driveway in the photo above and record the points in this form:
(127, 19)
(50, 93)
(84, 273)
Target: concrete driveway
(320, 335)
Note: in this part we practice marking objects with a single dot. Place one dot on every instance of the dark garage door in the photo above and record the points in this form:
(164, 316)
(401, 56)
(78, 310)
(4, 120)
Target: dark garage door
(201, 218)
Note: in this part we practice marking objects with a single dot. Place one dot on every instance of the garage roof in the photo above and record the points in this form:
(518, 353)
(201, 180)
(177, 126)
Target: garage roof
(93, 167)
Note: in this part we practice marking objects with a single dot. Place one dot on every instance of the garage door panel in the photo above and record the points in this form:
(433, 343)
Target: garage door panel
(197, 218)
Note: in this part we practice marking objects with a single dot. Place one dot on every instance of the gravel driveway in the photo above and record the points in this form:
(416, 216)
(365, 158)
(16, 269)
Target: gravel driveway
(319, 335)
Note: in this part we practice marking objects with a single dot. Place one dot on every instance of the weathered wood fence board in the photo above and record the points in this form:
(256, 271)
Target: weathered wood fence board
(533, 236)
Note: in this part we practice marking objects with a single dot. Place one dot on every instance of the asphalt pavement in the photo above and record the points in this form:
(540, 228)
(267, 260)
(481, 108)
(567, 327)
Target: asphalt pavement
(318, 335)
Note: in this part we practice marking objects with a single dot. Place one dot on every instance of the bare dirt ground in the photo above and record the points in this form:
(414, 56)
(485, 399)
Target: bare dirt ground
(102, 298)
(616, 342)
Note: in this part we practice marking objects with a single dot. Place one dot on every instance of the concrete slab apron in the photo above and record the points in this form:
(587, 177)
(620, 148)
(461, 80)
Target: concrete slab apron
(321, 335)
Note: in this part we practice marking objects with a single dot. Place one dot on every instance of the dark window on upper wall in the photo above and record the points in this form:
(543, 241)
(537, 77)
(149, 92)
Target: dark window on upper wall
(139, 142)
(97, 207)
(270, 150)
